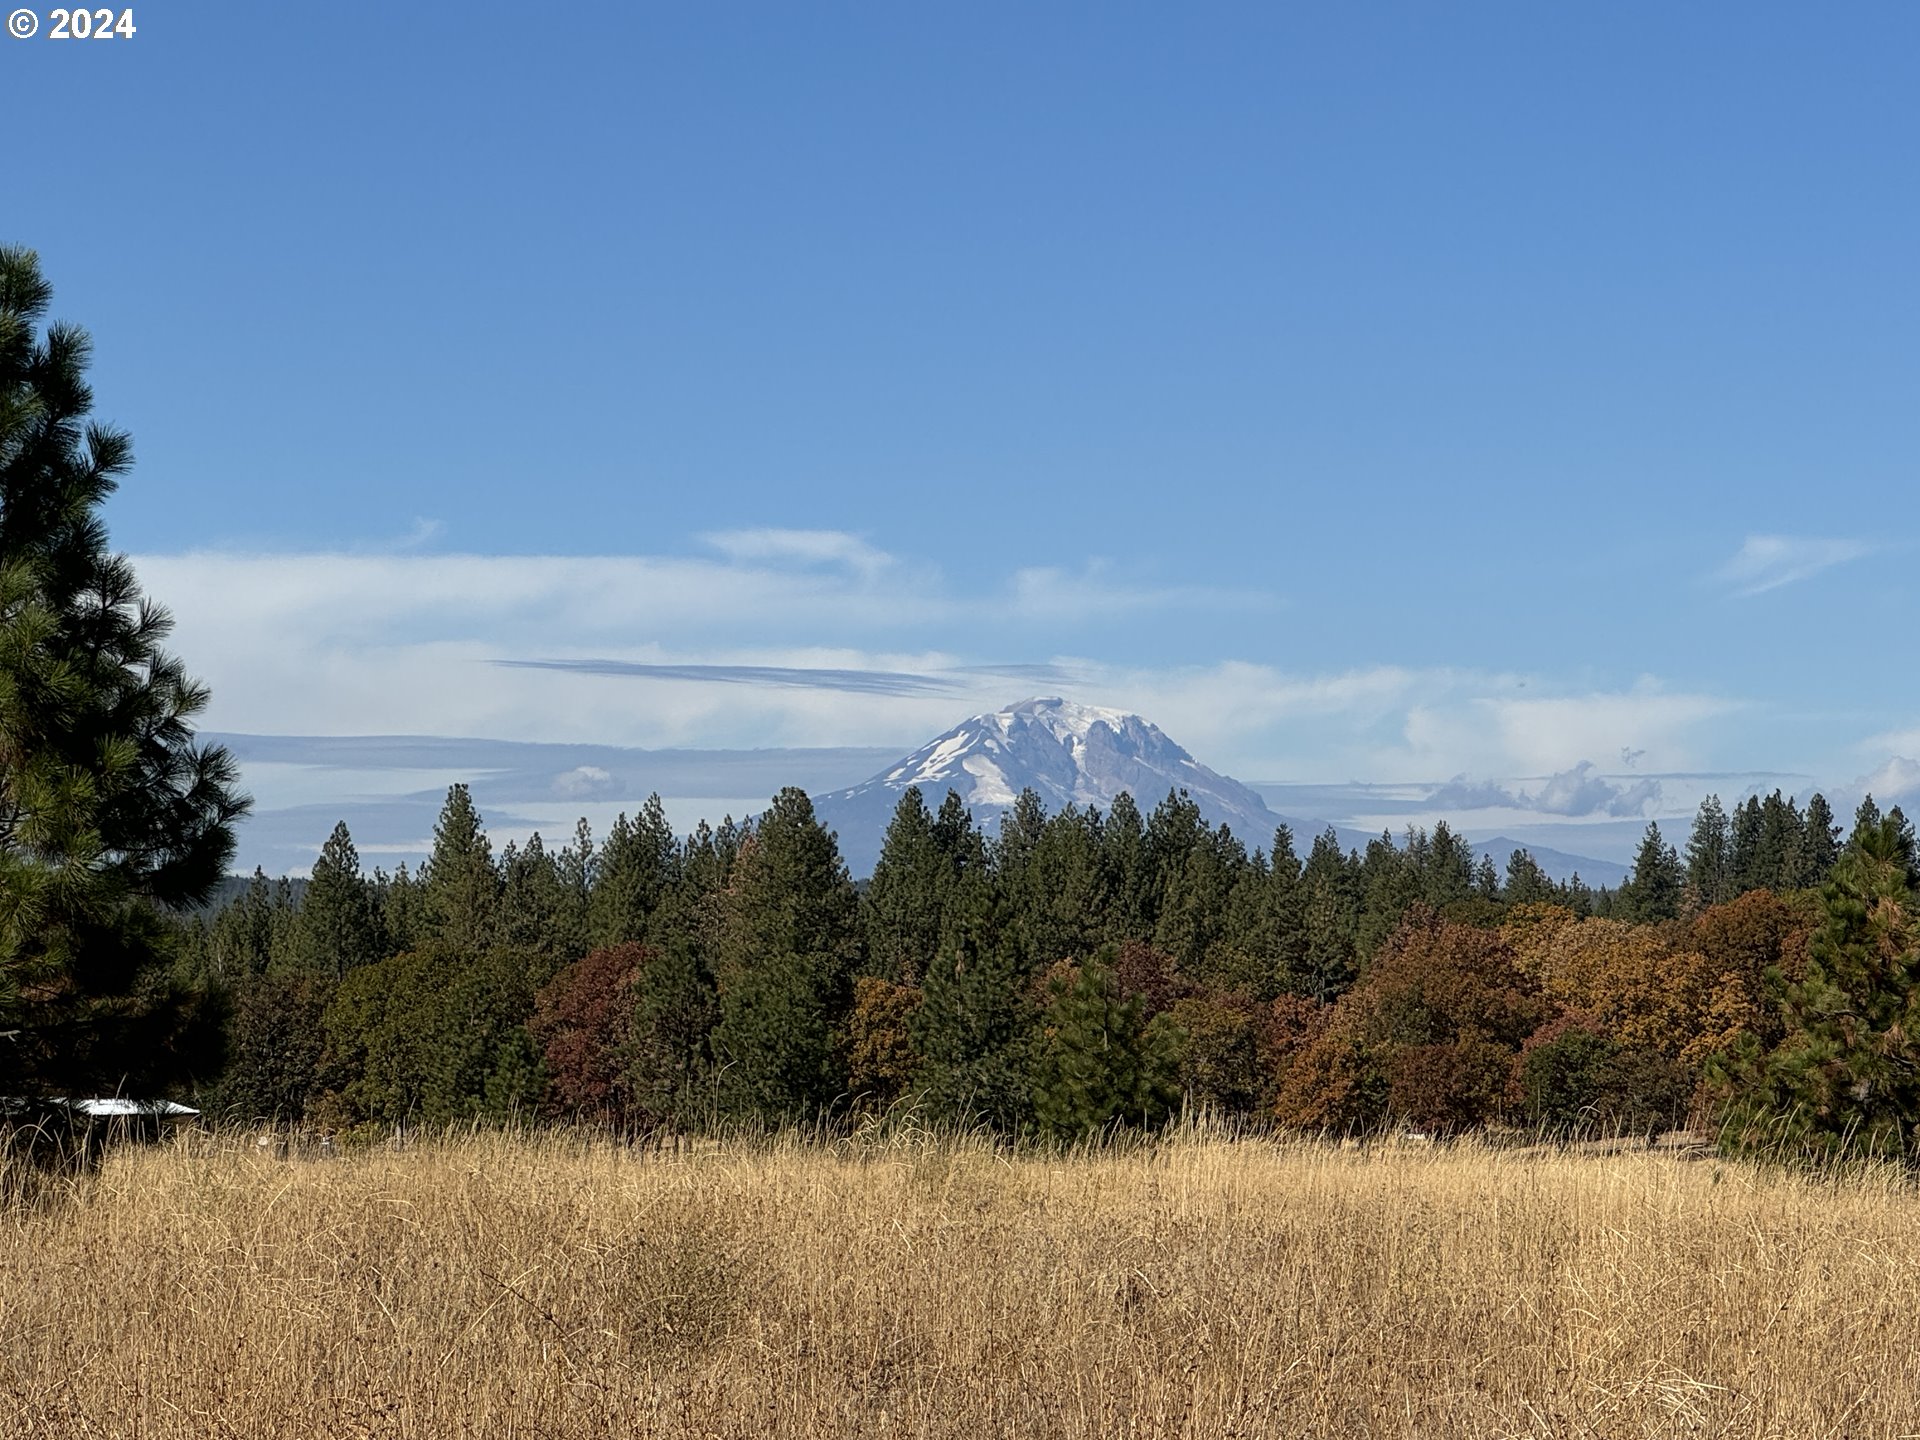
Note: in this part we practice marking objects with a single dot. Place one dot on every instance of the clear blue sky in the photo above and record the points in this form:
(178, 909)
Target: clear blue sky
(1305, 373)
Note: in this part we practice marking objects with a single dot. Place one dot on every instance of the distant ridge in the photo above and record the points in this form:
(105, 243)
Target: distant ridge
(1557, 864)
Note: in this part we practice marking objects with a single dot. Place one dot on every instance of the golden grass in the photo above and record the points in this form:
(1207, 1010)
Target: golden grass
(500, 1286)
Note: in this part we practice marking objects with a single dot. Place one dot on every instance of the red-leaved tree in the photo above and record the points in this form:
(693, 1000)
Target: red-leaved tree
(583, 1022)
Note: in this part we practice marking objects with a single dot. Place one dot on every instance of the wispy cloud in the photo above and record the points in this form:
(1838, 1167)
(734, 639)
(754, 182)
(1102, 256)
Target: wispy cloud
(858, 682)
(422, 533)
(802, 547)
(1097, 591)
(1766, 562)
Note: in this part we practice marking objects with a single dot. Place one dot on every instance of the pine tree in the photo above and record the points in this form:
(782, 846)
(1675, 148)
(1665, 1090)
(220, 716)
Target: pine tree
(928, 867)
(1330, 914)
(903, 907)
(1390, 879)
(1658, 884)
(1059, 908)
(636, 870)
(1446, 868)
(402, 910)
(1133, 910)
(1194, 915)
(1174, 830)
(1528, 884)
(276, 1045)
(1821, 843)
(1486, 880)
(1749, 864)
(675, 1012)
(1710, 855)
(337, 926)
(241, 942)
(972, 1032)
(534, 909)
(1782, 838)
(1846, 1079)
(1268, 919)
(1101, 1065)
(109, 810)
(786, 952)
(459, 888)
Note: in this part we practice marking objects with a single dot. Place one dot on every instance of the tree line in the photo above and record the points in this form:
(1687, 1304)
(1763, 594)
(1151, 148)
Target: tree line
(1069, 972)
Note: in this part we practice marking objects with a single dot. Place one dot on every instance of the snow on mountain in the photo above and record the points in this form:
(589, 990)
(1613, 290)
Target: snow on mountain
(1065, 752)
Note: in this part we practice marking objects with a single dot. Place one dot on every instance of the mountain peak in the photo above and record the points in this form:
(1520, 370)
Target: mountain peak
(1066, 752)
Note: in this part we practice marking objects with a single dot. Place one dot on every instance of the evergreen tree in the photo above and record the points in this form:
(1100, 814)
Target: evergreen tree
(1330, 913)
(904, 905)
(1446, 868)
(433, 1037)
(1658, 883)
(1390, 880)
(972, 1032)
(459, 888)
(276, 1045)
(1528, 884)
(1133, 910)
(1846, 1079)
(338, 925)
(1486, 880)
(1194, 915)
(786, 953)
(534, 909)
(1057, 910)
(1710, 855)
(241, 941)
(1906, 845)
(929, 866)
(1782, 838)
(1820, 846)
(109, 810)
(1174, 831)
(675, 1011)
(1268, 918)
(402, 910)
(1748, 863)
(574, 864)
(636, 871)
(1101, 1064)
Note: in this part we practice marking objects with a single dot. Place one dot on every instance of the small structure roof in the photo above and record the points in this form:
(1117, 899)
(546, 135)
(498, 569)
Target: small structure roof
(159, 1109)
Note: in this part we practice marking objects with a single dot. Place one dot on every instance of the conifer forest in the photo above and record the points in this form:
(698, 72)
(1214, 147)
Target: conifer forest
(1072, 973)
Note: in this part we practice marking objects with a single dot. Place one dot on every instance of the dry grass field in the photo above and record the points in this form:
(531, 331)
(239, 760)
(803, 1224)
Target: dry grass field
(495, 1286)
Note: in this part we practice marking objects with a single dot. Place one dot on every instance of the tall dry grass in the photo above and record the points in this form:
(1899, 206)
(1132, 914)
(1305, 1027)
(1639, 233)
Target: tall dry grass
(543, 1287)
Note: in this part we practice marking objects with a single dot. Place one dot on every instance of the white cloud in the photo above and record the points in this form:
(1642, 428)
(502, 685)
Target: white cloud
(582, 781)
(805, 547)
(1766, 562)
(1897, 782)
(1546, 734)
(1898, 742)
(1573, 793)
(796, 642)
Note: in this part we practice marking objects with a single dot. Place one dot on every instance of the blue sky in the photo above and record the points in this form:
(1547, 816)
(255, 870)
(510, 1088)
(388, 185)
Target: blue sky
(1396, 394)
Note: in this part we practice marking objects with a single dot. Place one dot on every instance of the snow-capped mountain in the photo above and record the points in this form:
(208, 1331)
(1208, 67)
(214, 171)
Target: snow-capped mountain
(1065, 752)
